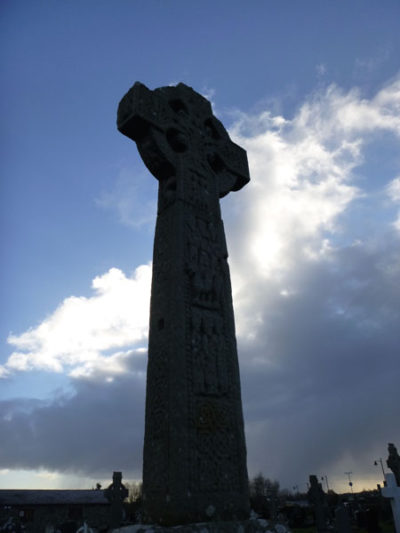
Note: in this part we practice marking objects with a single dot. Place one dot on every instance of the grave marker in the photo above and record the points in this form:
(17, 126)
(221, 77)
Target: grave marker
(317, 498)
(116, 494)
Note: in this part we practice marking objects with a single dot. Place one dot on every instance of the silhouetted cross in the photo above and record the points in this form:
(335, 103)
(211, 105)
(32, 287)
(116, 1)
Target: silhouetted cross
(174, 128)
(116, 494)
(194, 423)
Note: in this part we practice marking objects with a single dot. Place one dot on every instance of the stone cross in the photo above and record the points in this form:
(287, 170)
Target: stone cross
(317, 498)
(194, 461)
(116, 494)
(392, 491)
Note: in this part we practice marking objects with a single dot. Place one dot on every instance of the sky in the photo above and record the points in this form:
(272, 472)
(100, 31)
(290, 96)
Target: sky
(312, 91)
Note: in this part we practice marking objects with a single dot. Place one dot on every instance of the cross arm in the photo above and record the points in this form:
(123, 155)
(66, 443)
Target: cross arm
(227, 159)
(136, 112)
(140, 118)
(235, 172)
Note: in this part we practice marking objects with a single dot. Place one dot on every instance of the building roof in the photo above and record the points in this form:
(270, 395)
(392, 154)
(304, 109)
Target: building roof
(52, 497)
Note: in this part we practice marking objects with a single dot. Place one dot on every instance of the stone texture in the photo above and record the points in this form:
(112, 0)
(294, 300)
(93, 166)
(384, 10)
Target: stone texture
(194, 464)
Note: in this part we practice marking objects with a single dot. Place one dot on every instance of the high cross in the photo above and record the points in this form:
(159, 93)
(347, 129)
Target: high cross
(116, 494)
(194, 461)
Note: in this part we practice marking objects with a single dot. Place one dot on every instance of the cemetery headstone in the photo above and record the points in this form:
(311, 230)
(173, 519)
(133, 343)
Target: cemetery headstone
(194, 463)
(317, 498)
(372, 520)
(116, 494)
(342, 519)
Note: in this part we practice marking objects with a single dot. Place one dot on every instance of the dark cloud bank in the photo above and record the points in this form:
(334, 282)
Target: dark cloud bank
(331, 388)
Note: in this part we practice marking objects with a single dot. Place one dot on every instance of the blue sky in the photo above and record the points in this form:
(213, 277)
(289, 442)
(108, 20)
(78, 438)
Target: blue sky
(312, 91)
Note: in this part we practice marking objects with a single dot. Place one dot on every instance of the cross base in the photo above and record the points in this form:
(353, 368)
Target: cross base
(244, 526)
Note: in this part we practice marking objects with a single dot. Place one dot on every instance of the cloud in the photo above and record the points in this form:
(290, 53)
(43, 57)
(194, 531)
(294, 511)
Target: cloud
(316, 305)
(393, 192)
(320, 70)
(301, 182)
(133, 198)
(368, 65)
(303, 175)
(319, 370)
(97, 430)
(3, 372)
(81, 332)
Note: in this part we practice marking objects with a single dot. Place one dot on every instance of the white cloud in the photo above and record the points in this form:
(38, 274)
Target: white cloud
(133, 197)
(80, 332)
(368, 65)
(303, 178)
(336, 113)
(3, 372)
(321, 70)
(393, 190)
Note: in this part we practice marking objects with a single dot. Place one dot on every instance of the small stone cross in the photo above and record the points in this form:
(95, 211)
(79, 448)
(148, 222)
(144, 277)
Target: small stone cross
(116, 494)
(317, 498)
